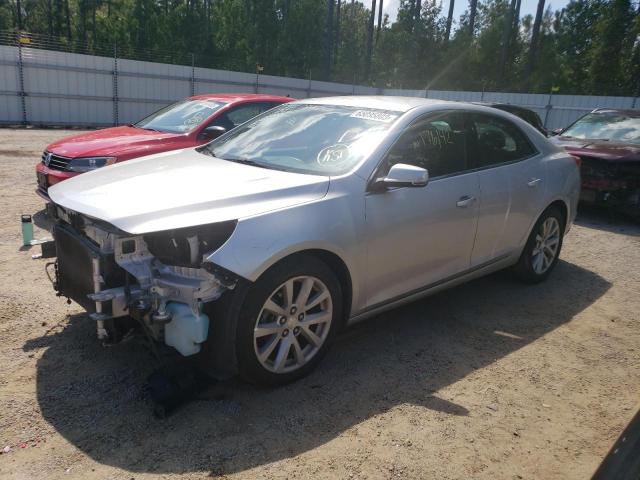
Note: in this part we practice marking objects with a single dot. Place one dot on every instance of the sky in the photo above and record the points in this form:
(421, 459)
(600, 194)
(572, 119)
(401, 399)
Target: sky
(527, 7)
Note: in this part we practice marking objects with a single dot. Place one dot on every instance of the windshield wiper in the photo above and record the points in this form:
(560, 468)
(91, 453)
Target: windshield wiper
(144, 128)
(241, 160)
(245, 161)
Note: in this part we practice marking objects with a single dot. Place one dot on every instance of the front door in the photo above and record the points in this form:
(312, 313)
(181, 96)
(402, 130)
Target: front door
(417, 236)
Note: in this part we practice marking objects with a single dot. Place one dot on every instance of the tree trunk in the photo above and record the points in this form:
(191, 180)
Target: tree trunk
(337, 41)
(19, 14)
(473, 7)
(418, 12)
(93, 23)
(370, 39)
(328, 40)
(82, 11)
(68, 18)
(515, 30)
(533, 49)
(50, 14)
(506, 37)
(379, 20)
(449, 20)
(516, 20)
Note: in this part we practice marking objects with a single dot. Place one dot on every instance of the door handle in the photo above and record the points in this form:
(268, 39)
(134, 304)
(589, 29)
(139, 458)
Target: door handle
(464, 201)
(534, 182)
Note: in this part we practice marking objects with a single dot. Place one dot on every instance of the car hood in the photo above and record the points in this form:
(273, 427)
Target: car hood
(605, 150)
(111, 142)
(183, 188)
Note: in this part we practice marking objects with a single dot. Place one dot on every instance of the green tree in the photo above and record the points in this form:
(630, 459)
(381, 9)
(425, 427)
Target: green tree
(612, 46)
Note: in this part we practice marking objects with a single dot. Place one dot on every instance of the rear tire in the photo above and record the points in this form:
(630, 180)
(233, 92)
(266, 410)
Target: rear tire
(542, 250)
(287, 321)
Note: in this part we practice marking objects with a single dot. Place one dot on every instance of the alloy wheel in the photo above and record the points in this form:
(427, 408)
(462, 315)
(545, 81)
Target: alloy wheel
(293, 324)
(546, 247)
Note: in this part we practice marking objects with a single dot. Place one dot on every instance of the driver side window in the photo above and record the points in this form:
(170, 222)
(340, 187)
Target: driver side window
(241, 114)
(437, 143)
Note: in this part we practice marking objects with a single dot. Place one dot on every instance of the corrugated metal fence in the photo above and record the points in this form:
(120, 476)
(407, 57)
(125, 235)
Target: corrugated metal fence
(44, 87)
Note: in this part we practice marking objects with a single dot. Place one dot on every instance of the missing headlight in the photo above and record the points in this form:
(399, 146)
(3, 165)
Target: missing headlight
(184, 247)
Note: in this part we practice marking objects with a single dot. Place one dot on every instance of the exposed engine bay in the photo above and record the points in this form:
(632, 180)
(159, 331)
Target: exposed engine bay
(161, 279)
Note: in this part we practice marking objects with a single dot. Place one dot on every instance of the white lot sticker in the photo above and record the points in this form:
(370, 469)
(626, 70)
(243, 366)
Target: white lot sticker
(374, 115)
(333, 155)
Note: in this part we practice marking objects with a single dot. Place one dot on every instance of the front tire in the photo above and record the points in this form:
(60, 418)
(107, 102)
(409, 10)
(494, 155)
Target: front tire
(542, 250)
(288, 320)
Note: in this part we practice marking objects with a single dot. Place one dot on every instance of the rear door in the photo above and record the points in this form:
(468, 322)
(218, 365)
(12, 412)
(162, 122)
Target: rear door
(511, 178)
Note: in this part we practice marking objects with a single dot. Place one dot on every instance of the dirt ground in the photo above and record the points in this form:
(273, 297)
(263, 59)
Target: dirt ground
(490, 380)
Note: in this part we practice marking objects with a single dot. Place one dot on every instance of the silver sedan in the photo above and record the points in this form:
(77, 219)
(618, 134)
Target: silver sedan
(252, 252)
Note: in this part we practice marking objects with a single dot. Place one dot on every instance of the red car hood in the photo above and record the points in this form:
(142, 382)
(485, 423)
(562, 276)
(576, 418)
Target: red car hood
(112, 142)
(605, 150)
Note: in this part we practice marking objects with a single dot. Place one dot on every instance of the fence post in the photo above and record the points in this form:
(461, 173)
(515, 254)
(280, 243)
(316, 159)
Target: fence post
(193, 74)
(309, 87)
(548, 108)
(22, 93)
(115, 85)
(635, 100)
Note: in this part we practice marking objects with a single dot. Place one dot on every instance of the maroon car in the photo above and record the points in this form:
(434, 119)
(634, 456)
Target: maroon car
(607, 141)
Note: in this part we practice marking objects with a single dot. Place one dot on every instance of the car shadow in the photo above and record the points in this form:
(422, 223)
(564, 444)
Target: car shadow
(94, 397)
(608, 220)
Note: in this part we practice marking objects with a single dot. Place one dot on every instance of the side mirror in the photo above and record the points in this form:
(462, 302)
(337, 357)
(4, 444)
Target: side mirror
(556, 131)
(211, 132)
(403, 175)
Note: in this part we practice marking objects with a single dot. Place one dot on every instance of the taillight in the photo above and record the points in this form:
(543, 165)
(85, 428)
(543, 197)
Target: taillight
(578, 160)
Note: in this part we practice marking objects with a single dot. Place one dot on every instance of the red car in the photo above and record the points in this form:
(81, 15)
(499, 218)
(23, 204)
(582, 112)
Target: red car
(187, 123)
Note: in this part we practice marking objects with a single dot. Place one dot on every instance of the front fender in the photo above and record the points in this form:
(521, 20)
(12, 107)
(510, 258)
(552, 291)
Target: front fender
(333, 224)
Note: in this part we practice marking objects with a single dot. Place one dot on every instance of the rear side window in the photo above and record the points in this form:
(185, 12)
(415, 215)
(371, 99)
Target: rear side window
(497, 141)
(437, 143)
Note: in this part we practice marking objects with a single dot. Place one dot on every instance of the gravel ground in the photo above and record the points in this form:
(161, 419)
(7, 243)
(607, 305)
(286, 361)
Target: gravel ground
(490, 380)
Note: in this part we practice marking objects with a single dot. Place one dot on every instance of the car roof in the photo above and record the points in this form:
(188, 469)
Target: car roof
(624, 111)
(502, 105)
(398, 104)
(241, 97)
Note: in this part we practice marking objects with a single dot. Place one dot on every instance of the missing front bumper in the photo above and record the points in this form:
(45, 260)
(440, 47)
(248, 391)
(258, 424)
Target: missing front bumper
(115, 277)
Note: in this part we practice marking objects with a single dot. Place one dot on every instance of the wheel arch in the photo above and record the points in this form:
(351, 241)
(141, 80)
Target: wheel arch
(561, 204)
(564, 210)
(337, 265)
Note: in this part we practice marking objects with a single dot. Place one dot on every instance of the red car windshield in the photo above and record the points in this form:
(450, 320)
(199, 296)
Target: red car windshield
(180, 117)
(611, 126)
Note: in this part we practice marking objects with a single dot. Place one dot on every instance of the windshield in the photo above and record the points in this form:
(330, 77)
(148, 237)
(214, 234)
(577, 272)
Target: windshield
(606, 126)
(303, 138)
(180, 117)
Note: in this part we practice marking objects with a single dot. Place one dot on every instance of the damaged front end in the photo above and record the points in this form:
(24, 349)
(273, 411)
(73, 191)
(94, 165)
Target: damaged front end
(161, 279)
(610, 183)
